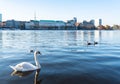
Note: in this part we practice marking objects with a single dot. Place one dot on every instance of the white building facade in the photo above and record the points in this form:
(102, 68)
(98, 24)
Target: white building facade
(29, 25)
(51, 24)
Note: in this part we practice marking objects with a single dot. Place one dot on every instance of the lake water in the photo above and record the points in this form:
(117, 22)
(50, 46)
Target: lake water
(65, 57)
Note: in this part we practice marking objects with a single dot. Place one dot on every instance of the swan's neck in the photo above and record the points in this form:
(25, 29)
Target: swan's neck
(36, 60)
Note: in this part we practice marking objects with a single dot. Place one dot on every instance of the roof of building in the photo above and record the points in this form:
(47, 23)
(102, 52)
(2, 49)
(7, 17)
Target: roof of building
(47, 21)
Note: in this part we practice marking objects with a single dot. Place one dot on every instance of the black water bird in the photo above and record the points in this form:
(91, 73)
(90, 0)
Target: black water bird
(88, 43)
(95, 43)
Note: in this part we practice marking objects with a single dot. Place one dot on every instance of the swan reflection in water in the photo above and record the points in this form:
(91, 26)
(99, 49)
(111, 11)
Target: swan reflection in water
(37, 80)
(23, 74)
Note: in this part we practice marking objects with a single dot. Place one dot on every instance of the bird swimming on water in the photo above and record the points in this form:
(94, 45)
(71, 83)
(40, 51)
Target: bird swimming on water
(26, 66)
(88, 43)
(95, 43)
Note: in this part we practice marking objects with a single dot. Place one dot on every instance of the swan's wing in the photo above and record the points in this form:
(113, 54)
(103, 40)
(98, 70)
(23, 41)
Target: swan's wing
(27, 65)
(24, 66)
(16, 68)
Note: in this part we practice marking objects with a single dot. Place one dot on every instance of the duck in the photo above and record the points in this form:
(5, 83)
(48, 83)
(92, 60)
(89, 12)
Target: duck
(88, 43)
(95, 42)
(26, 66)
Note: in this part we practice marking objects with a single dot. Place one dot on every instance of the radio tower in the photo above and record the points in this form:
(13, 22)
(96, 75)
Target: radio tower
(35, 15)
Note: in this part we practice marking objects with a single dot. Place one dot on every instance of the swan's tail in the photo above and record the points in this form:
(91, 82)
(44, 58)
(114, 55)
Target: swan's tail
(12, 67)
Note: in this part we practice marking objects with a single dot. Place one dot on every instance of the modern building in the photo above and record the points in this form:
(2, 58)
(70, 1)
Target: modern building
(10, 23)
(60, 25)
(13, 24)
(47, 23)
(0, 17)
(51, 24)
(29, 25)
(75, 20)
(71, 24)
(87, 25)
(100, 22)
(92, 22)
(36, 24)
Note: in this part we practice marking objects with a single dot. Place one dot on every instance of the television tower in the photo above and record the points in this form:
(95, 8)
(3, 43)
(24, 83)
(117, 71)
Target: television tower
(100, 22)
(35, 15)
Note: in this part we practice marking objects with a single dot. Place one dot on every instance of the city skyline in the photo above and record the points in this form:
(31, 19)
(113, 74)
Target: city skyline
(107, 10)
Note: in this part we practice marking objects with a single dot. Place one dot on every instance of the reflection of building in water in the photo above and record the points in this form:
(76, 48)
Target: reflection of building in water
(91, 36)
(7, 39)
(110, 36)
(0, 39)
(80, 37)
(100, 22)
(85, 36)
(88, 35)
(70, 37)
(97, 36)
(35, 41)
(22, 39)
(13, 39)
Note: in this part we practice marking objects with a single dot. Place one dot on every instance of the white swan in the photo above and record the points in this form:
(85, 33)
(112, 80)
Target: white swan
(26, 66)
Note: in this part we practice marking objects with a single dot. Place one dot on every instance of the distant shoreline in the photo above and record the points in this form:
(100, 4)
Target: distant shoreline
(55, 29)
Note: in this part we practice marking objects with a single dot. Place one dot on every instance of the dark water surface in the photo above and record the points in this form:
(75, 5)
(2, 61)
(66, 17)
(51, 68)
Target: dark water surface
(65, 57)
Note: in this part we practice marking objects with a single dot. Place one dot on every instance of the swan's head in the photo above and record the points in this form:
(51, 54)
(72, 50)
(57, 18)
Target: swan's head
(37, 52)
(31, 51)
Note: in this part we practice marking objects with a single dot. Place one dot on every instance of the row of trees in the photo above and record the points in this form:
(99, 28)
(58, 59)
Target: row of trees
(108, 27)
(81, 26)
